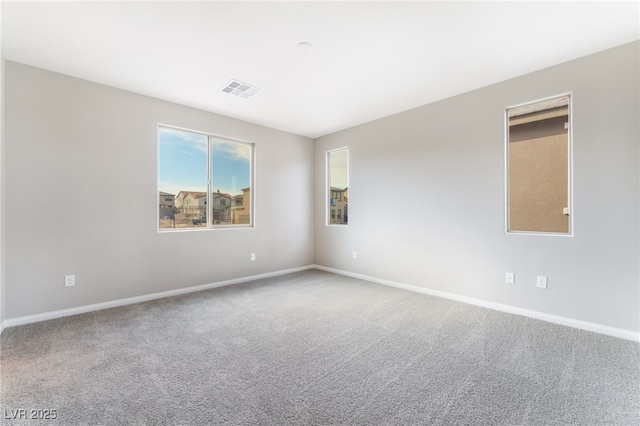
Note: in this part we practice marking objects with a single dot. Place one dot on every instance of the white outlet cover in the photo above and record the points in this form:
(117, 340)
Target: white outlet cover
(69, 280)
(541, 282)
(510, 278)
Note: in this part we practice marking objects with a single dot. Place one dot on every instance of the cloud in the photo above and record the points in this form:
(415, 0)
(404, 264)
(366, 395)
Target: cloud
(190, 141)
(183, 139)
(232, 150)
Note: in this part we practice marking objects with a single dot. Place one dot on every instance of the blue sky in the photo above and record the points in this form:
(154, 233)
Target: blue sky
(183, 163)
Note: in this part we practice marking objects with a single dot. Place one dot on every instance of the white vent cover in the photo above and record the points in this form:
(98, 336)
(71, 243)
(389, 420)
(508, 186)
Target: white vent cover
(239, 88)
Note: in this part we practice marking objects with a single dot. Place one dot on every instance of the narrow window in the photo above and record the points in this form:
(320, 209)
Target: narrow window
(208, 179)
(538, 167)
(338, 186)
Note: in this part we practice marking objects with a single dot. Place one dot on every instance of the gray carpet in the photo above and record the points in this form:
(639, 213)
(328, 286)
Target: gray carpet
(314, 348)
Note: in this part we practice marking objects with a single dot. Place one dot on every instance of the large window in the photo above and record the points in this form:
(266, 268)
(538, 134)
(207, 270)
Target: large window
(539, 167)
(204, 181)
(338, 186)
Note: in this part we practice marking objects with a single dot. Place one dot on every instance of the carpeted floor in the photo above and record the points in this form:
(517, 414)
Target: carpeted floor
(314, 348)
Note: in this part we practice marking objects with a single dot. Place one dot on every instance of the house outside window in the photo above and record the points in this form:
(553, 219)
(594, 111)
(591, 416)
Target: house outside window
(539, 186)
(191, 164)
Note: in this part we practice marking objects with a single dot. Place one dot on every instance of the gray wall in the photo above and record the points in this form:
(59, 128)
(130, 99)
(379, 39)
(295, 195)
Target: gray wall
(81, 197)
(426, 197)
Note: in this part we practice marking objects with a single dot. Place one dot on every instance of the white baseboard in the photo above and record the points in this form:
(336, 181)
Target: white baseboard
(556, 319)
(137, 299)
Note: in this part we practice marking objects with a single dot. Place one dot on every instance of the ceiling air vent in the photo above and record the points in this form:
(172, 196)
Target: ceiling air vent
(239, 88)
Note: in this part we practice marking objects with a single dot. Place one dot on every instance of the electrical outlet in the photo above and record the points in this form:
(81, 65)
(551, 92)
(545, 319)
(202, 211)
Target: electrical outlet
(69, 280)
(541, 282)
(510, 278)
(253, 257)
(355, 255)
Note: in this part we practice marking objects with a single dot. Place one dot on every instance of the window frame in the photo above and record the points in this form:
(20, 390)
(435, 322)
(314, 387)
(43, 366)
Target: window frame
(328, 193)
(211, 137)
(570, 168)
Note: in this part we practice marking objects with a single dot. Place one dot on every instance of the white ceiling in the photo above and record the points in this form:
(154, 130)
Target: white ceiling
(368, 59)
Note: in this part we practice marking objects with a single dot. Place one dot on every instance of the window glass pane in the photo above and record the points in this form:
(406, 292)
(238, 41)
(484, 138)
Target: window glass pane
(182, 178)
(539, 168)
(231, 182)
(338, 191)
(203, 180)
